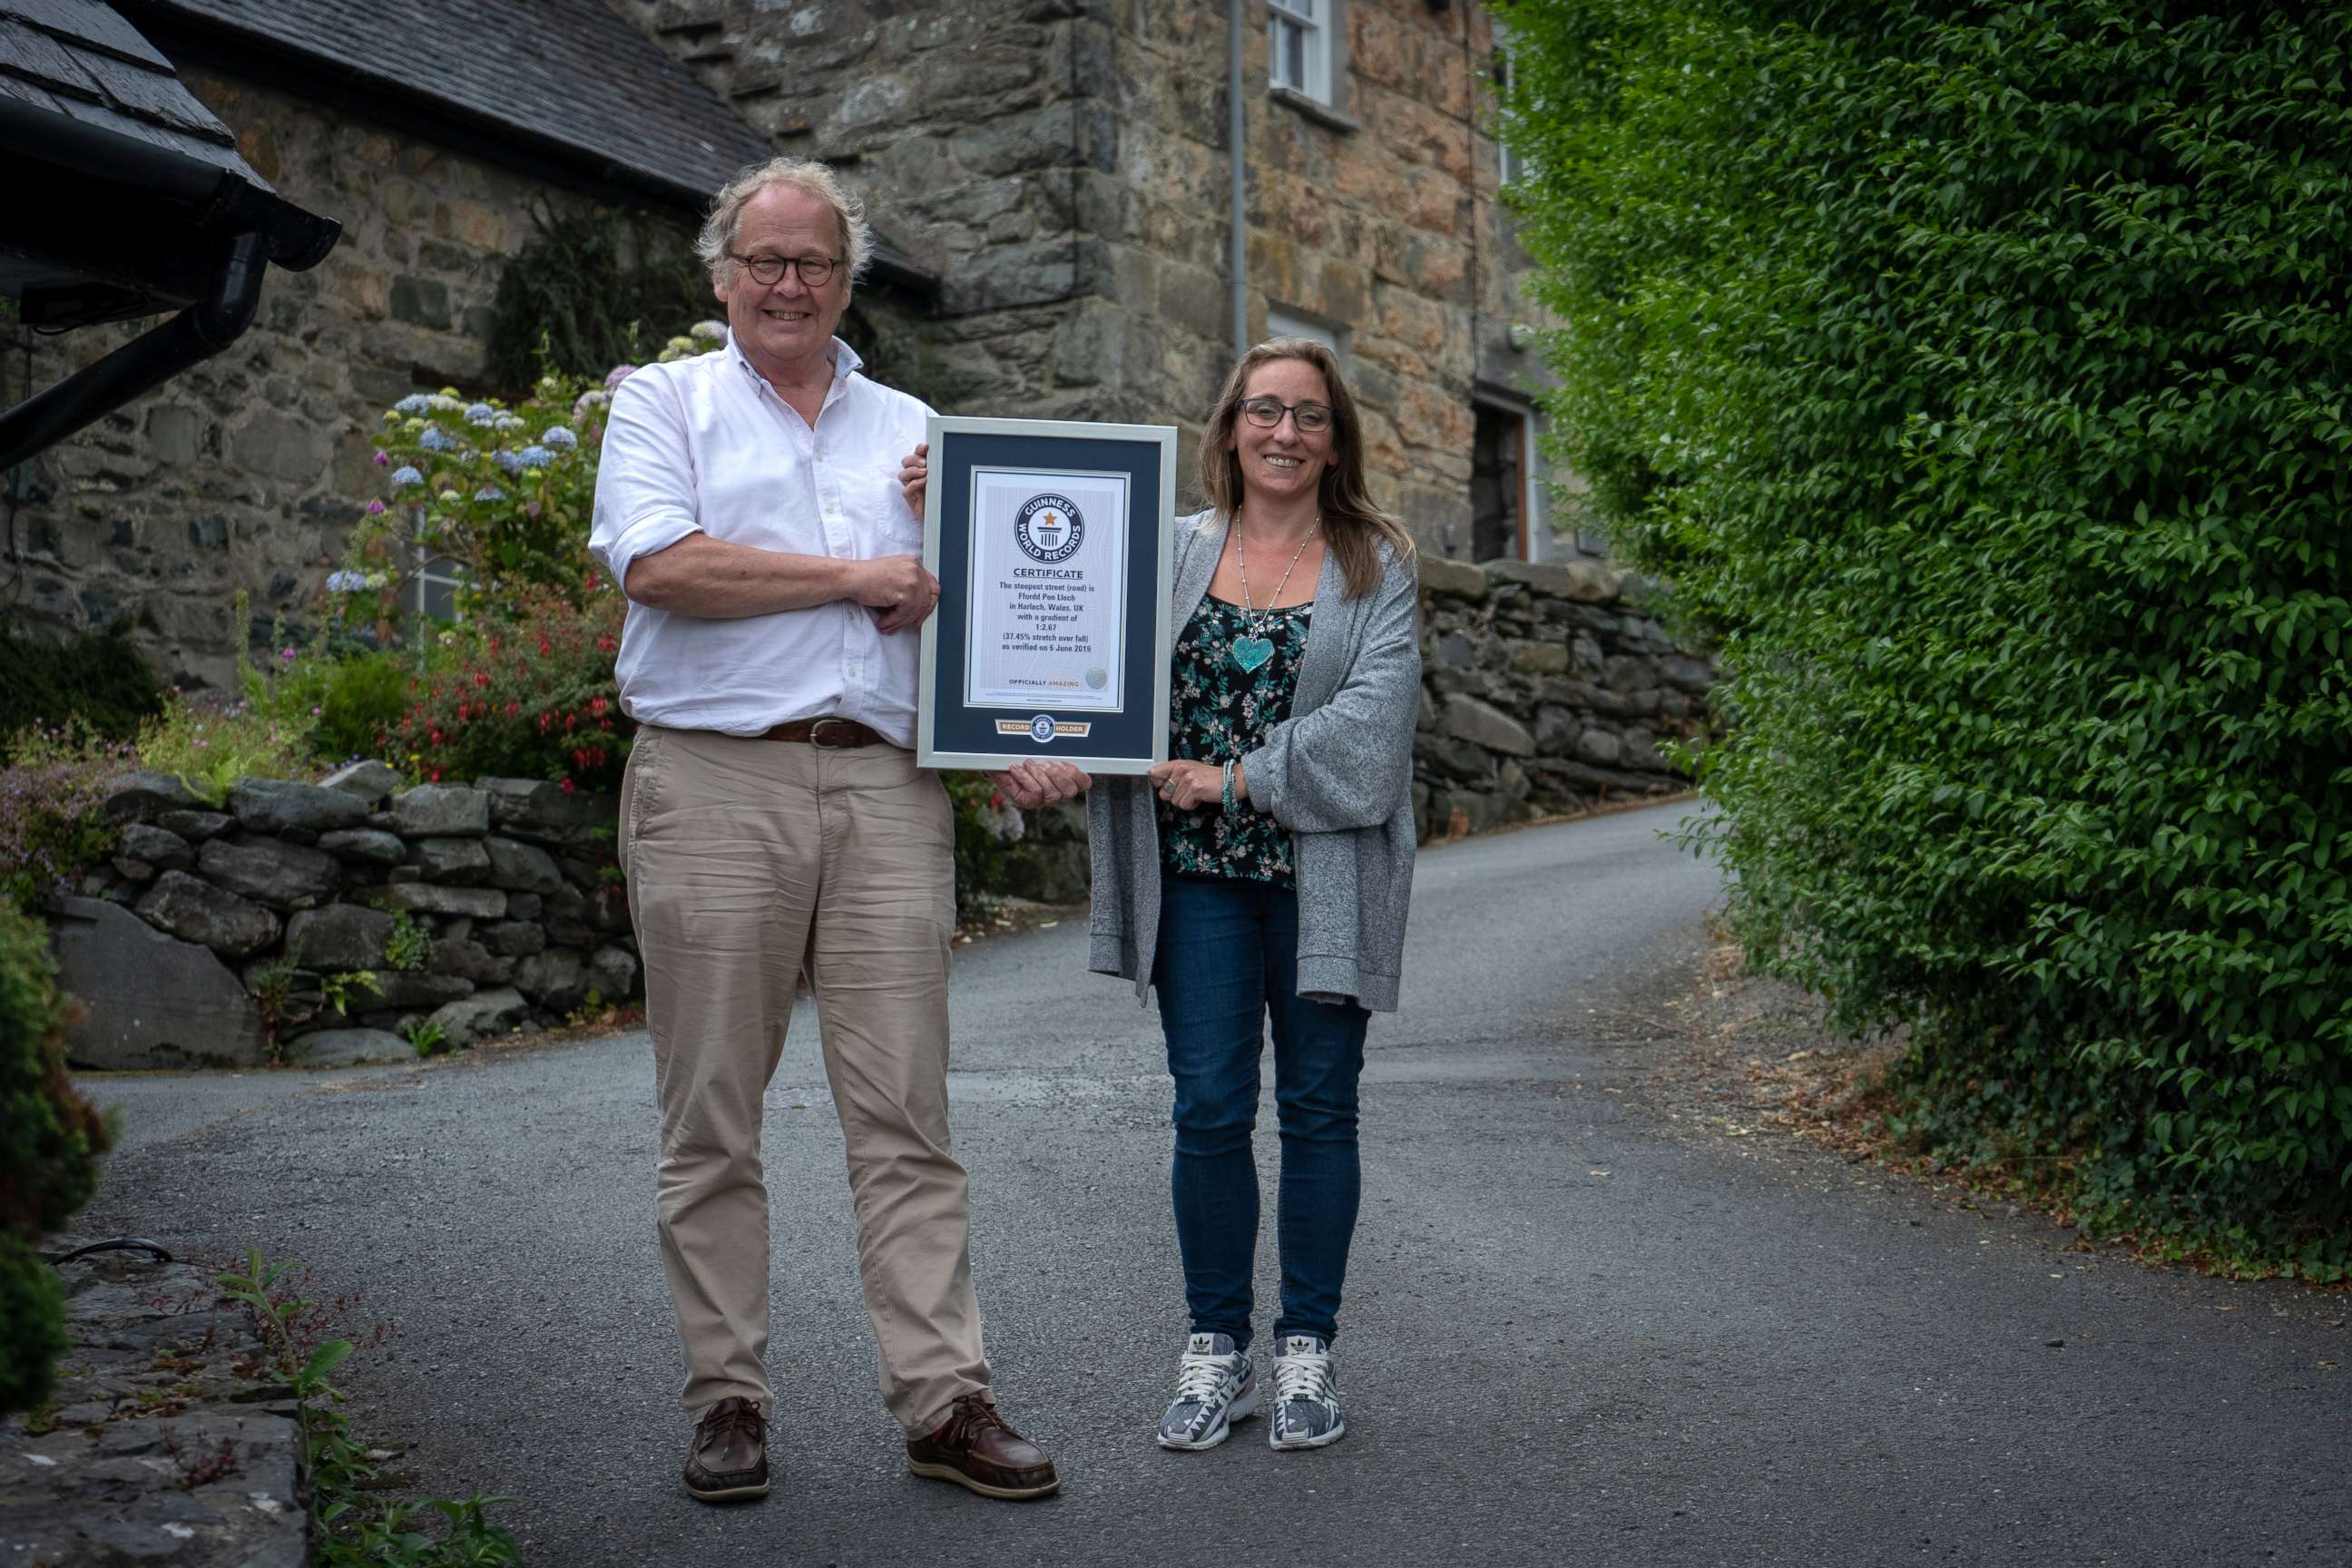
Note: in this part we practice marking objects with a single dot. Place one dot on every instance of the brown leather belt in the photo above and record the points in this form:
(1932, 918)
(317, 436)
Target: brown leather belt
(828, 732)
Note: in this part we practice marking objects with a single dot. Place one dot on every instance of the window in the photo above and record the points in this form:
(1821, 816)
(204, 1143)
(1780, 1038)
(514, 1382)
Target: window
(1509, 504)
(1300, 59)
(433, 587)
(1512, 165)
(1283, 321)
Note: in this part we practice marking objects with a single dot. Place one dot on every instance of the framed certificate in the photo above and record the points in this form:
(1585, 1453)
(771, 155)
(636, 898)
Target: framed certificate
(1051, 542)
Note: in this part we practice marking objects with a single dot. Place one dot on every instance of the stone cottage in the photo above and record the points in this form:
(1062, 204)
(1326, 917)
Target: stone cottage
(1055, 177)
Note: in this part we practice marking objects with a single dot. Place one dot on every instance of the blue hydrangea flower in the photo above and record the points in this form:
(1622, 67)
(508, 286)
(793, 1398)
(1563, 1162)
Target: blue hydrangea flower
(434, 440)
(562, 439)
(480, 414)
(708, 332)
(345, 581)
(535, 457)
(490, 492)
(414, 403)
(406, 475)
(505, 421)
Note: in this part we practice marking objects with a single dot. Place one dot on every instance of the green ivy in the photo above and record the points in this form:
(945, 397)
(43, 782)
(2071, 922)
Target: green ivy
(589, 292)
(1977, 375)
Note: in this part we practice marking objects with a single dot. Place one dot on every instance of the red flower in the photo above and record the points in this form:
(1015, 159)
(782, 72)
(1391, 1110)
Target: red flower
(570, 788)
(481, 678)
(604, 643)
(435, 737)
(513, 709)
(597, 705)
(545, 648)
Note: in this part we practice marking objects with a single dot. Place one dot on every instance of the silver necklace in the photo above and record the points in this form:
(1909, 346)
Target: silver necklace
(1255, 649)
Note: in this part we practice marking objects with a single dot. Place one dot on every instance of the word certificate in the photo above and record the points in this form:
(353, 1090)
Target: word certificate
(1047, 590)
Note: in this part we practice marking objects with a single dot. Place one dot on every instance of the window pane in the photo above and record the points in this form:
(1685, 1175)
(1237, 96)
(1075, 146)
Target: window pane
(1284, 67)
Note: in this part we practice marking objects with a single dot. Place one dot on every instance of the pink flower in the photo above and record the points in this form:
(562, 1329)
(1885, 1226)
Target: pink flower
(382, 458)
(617, 374)
(375, 509)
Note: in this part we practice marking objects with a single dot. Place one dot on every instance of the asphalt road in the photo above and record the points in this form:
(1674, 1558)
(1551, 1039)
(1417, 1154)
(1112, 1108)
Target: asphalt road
(1569, 1337)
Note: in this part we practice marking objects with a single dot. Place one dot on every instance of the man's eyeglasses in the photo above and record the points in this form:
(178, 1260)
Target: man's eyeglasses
(1312, 418)
(815, 272)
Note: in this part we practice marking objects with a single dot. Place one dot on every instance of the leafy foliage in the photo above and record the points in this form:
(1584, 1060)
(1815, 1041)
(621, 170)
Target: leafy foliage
(99, 678)
(534, 697)
(50, 822)
(356, 1524)
(51, 1138)
(1977, 375)
(577, 299)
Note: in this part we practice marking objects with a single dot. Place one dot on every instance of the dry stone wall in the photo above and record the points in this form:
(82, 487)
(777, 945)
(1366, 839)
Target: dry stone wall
(325, 923)
(1546, 688)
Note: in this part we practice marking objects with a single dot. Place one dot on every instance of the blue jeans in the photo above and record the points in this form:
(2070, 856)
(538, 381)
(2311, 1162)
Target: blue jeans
(1228, 961)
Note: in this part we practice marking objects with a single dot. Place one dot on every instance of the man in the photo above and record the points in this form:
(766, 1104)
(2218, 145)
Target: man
(773, 823)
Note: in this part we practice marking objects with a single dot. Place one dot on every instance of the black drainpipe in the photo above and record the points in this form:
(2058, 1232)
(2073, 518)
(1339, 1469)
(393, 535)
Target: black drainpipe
(147, 360)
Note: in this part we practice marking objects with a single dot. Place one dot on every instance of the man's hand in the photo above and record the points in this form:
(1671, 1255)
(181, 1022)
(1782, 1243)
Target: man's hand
(898, 589)
(915, 476)
(1030, 785)
(1189, 785)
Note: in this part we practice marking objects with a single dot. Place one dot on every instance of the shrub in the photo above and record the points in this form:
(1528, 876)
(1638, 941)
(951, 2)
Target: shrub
(210, 745)
(99, 677)
(1975, 373)
(50, 824)
(575, 298)
(986, 829)
(533, 699)
(51, 1138)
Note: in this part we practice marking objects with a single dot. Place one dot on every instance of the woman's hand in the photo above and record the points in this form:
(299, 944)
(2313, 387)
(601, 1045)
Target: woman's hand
(1032, 784)
(1189, 785)
(915, 476)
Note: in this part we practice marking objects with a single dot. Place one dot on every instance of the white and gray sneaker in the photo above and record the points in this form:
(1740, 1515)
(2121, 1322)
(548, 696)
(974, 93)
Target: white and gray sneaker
(1216, 1385)
(1305, 1394)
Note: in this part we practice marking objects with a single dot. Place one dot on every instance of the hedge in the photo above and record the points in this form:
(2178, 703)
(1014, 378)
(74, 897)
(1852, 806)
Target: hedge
(1978, 374)
(99, 676)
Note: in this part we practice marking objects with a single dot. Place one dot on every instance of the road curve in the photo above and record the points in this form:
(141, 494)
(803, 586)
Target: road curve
(1568, 1338)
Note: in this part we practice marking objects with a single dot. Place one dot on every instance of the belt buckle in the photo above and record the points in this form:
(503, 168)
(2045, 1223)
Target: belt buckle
(816, 732)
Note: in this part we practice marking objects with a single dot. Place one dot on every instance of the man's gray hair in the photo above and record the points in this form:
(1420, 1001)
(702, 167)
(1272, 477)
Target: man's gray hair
(807, 174)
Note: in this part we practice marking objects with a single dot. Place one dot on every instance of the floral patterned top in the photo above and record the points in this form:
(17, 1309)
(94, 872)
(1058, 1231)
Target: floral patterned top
(1223, 712)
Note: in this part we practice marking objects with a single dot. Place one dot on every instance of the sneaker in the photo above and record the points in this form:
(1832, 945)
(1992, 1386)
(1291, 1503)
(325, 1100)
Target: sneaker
(1305, 1394)
(1216, 1385)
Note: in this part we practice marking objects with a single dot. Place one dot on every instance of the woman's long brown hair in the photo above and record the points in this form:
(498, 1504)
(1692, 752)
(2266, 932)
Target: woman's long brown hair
(1353, 525)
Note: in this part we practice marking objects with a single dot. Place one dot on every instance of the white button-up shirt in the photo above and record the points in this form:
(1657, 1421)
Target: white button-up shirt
(706, 444)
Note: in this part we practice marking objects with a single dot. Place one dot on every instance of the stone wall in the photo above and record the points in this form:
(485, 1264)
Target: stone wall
(246, 473)
(1064, 168)
(1546, 688)
(333, 916)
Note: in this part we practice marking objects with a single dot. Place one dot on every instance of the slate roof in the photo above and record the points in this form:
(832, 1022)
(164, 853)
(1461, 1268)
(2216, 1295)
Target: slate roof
(77, 58)
(573, 74)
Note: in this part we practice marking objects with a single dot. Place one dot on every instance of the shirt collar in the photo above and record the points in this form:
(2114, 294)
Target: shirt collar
(844, 359)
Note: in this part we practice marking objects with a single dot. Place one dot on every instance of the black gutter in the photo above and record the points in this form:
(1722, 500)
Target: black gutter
(220, 197)
(146, 362)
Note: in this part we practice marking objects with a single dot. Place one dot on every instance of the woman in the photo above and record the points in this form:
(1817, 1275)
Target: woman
(1263, 874)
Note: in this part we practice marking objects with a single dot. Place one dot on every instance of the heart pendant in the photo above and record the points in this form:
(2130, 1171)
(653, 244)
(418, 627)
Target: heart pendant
(1251, 652)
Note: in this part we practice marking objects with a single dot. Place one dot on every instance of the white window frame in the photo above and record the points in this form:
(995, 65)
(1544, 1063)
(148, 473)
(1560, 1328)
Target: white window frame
(434, 571)
(1509, 164)
(1315, 22)
(1289, 321)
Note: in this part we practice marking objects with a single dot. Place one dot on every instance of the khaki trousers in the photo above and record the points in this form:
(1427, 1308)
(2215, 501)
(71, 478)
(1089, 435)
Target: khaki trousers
(751, 862)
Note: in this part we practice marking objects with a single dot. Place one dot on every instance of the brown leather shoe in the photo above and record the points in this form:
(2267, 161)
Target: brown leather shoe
(729, 1461)
(975, 1448)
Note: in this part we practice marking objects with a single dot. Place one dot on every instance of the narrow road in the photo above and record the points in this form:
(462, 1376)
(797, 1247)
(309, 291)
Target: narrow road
(1569, 1337)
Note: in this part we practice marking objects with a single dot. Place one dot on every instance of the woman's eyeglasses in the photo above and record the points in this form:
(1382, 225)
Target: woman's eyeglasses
(1312, 418)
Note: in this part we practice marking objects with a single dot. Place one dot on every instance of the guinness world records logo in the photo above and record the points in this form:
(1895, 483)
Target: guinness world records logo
(1048, 528)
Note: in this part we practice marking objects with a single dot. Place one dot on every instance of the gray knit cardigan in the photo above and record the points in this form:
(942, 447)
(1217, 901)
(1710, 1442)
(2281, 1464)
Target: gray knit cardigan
(1337, 772)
